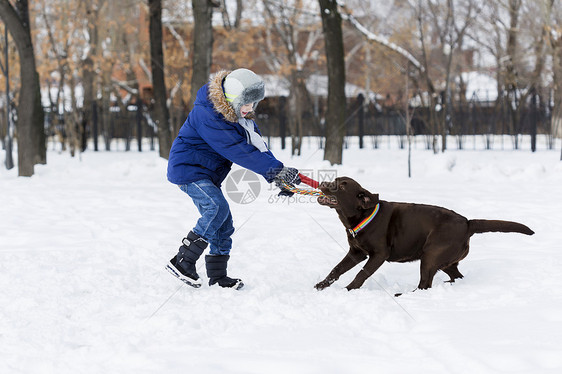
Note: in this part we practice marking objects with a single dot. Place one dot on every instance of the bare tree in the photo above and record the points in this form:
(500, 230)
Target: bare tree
(379, 39)
(202, 45)
(59, 23)
(7, 140)
(31, 135)
(227, 23)
(520, 74)
(442, 26)
(335, 115)
(161, 114)
(491, 40)
(293, 27)
(555, 42)
(92, 11)
(510, 72)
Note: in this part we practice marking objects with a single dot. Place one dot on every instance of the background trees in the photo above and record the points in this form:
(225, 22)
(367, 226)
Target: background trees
(442, 26)
(31, 137)
(97, 60)
(292, 52)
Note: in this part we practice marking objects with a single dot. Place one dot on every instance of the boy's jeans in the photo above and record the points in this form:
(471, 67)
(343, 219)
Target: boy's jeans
(215, 224)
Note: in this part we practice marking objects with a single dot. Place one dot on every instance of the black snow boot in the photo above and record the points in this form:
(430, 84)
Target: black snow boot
(216, 271)
(182, 266)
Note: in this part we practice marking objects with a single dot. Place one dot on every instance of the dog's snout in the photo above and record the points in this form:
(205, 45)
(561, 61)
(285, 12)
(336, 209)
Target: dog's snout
(328, 186)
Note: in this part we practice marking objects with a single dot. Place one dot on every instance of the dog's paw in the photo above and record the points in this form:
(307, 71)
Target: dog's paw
(320, 286)
(353, 286)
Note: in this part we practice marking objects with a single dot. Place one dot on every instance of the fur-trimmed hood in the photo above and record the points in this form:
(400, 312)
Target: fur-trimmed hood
(218, 99)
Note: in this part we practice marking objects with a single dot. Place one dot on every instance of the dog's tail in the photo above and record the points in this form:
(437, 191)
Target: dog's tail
(478, 226)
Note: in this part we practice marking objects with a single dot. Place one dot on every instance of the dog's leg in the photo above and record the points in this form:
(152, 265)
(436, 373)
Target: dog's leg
(352, 258)
(373, 263)
(427, 273)
(442, 248)
(453, 272)
(428, 269)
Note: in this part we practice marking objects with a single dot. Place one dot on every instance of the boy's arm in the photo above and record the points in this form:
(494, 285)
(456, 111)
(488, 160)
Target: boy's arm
(224, 138)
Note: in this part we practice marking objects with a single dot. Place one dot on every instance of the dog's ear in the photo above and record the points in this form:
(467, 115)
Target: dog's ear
(367, 200)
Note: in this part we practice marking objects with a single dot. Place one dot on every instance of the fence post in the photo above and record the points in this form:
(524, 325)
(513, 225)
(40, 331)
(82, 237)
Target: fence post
(128, 128)
(95, 124)
(534, 120)
(472, 108)
(360, 118)
(282, 120)
(139, 123)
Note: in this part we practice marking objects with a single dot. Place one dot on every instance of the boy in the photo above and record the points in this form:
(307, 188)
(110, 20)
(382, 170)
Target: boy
(219, 131)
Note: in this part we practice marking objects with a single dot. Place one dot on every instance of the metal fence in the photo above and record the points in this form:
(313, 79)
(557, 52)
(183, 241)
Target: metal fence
(362, 119)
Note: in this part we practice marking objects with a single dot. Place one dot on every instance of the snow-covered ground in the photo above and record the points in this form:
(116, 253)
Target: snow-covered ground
(83, 244)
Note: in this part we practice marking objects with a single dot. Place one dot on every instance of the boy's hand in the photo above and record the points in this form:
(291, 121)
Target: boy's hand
(285, 192)
(289, 176)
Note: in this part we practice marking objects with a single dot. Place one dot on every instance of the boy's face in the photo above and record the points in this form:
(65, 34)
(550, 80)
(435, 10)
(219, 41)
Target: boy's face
(246, 109)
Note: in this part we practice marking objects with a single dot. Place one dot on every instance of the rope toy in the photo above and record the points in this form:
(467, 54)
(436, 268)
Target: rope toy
(304, 191)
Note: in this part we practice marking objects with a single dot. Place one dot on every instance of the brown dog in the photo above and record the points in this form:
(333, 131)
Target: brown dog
(401, 232)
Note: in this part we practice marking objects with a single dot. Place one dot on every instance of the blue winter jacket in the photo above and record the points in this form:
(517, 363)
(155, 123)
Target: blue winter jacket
(211, 139)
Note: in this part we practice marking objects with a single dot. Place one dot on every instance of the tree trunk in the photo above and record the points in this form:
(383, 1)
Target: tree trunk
(202, 45)
(88, 73)
(447, 103)
(432, 115)
(161, 114)
(557, 78)
(8, 140)
(31, 134)
(238, 18)
(38, 122)
(38, 135)
(511, 72)
(335, 115)
(408, 118)
(283, 120)
(555, 39)
(88, 105)
(297, 101)
(106, 127)
(74, 121)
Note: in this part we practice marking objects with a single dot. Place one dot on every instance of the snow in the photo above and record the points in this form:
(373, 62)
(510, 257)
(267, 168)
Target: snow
(66, 97)
(480, 86)
(316, 85)
(84, 243)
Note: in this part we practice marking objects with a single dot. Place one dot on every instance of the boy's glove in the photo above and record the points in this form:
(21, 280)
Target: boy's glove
(285, 192)
(289, 176)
